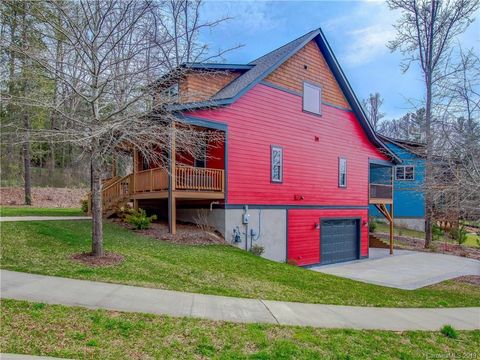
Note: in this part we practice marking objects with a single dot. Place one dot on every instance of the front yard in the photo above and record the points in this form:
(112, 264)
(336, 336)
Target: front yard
(46, 247)
(78, 333)
(37, 211)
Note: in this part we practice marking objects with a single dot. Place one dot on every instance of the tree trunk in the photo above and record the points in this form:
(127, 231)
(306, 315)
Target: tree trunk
(428, 165)
(26, 160)
(97, 211)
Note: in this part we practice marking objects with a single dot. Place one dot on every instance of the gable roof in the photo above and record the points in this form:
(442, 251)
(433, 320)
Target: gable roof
(413, 147)
(266, 64)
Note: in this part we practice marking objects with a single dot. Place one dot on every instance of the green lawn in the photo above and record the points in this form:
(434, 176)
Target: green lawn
(381, 227)
(34, 211)
(45, 247)
(77, 333)
(384, 228)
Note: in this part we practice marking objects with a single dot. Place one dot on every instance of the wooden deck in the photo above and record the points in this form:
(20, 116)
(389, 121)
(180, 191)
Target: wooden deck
(188, 183)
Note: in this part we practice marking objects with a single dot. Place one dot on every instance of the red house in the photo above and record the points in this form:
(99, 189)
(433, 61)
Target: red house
(292, 173)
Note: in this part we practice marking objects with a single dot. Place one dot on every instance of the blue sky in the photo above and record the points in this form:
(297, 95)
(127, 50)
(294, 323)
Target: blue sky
(356, 30)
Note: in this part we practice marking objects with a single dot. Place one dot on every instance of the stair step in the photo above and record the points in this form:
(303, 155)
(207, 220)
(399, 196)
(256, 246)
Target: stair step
(375, 242)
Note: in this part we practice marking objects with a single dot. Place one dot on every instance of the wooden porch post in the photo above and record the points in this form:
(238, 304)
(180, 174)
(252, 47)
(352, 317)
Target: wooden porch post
(391, 228)
(172, 208)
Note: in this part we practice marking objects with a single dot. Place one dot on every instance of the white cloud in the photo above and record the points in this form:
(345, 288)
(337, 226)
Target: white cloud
(367, 43)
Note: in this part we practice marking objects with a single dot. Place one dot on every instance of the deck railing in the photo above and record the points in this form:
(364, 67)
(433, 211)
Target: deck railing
(115, 191)
(381, 191)
(199, 179)
(155, 179)
(187, 178)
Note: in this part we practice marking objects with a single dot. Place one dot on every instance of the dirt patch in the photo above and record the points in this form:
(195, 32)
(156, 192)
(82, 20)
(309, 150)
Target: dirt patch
(48, 197)
(409, 243)
(109, 259)
(469, 279)
(188, 234)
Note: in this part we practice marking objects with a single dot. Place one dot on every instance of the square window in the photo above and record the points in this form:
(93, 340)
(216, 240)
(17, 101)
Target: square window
(405, 172)
(312, 98)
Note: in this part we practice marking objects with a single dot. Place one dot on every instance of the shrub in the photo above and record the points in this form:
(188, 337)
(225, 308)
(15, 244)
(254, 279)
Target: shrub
(449, 332)
(437, 232)
(139, 219)
(84, 205)
(372, 225)
(257, 250)
(459, 234)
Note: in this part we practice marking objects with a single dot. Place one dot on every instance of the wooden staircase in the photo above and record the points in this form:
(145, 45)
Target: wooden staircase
(116, 193)
(375, 242)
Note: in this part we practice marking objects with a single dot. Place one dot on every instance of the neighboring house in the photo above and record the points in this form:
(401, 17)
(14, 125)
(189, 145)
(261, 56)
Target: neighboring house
(292, 174)
(408, 193)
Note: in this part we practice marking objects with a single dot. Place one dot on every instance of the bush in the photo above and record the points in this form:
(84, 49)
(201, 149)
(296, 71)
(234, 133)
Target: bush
(139, 219)
(257, 250)
(449, 332)
(437, 232)
(459, 234)
(84, 205)
(372, 225)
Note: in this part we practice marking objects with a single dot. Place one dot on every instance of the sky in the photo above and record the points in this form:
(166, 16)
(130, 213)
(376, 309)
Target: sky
(357, 31)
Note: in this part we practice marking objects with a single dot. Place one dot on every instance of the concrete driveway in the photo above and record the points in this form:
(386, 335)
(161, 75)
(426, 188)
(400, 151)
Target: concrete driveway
(407, 270)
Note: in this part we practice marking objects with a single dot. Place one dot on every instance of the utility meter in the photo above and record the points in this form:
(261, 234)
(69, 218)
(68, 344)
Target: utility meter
(245, 218)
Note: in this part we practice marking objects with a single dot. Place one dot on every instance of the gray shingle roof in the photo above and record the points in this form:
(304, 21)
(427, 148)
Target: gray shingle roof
(262, 65)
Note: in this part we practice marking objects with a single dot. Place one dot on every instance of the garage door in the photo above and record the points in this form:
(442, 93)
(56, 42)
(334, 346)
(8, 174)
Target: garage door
(338, 240)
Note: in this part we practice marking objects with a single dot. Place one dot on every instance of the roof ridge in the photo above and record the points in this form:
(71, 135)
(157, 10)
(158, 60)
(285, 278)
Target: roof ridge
(283, 46)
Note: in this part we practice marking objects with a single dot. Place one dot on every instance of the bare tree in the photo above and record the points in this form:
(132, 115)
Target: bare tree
(372, 106)
(111, 52)
(425, 33)
(460, 131)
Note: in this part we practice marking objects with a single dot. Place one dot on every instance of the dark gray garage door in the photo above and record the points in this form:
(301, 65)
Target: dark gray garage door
(339, 240)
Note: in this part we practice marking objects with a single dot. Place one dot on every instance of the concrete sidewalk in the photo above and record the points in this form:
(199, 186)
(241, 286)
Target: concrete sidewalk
(97, 295)
(42, 218)
(4, 356)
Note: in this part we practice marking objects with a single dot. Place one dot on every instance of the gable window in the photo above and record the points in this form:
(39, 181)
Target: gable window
(172, 91)
(276, 164)
(342, 172)
(405, 172)
(312, 98)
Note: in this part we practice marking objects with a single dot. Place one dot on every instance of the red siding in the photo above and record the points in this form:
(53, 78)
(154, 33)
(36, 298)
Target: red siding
(266, 116)
(304, 239)
(216, 155)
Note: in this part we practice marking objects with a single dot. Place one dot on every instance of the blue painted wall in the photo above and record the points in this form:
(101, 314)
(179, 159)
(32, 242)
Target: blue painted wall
(408, 198)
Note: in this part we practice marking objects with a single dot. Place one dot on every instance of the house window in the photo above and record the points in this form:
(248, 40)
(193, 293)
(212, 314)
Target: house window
(405, 172)
(172, 91)
(312, 98)
(201, 160)
(277, 164)
(342, 172)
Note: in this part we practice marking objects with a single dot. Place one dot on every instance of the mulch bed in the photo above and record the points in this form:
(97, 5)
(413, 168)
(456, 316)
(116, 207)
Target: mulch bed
(48, 197)
(469, 279)
(409, 243)
(109, 259)
(188, 234)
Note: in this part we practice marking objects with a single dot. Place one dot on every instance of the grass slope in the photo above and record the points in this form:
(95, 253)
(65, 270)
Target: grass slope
(45, 247)
(33, 211)
(69, 332)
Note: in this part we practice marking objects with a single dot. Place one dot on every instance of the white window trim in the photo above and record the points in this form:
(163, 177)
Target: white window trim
(272, 149)
(317, 87)
(404, 167)
(339, 172)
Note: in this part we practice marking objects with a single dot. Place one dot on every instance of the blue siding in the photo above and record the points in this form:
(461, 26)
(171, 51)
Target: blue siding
(408, 197)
